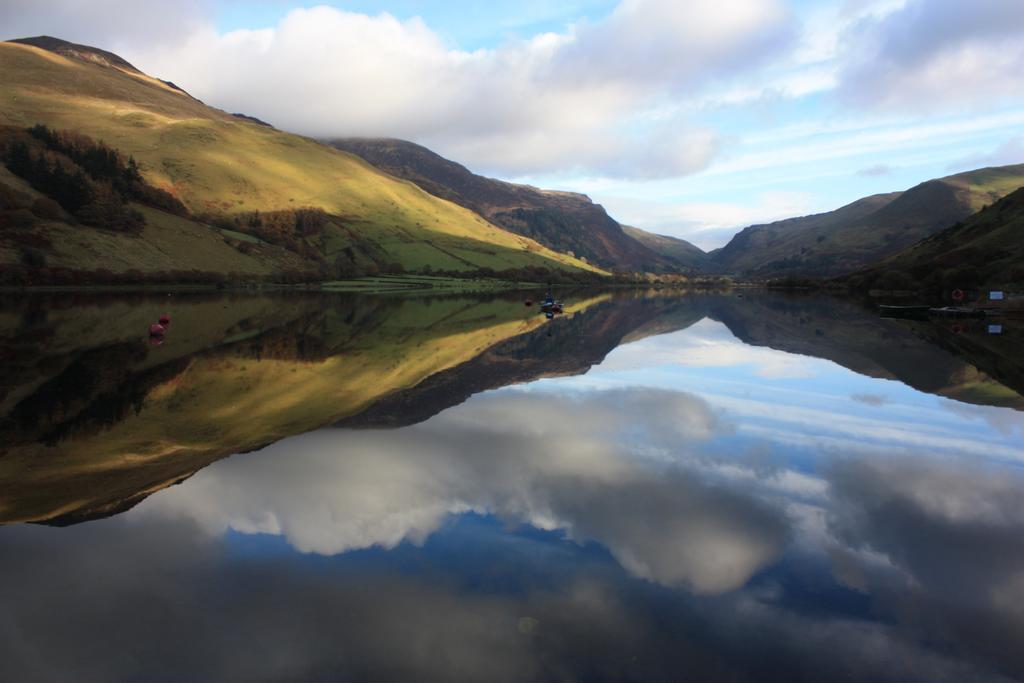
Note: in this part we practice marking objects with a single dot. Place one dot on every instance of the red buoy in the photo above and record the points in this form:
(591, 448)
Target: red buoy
(156, 330)
(165, 320)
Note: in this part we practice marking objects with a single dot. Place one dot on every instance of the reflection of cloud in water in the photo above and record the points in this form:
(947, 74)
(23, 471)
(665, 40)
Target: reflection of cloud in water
(154, 600)
(953, 526)
(874, 400)
(930, 546)
(1006, 422)
(596, 465)
(811, 426)
(950, 537)
(710, 344)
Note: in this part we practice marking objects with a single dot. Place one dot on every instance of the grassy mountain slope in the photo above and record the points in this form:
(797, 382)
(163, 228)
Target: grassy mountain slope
(215, 162)
(865, 231)
(986, 249)
(746, 251)
(167, 242)
(687, 255)
(563, 221)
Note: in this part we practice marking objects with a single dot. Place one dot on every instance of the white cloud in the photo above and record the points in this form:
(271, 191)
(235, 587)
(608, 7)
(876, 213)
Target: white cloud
(1009, 152)
(854, 143)
(675, 43)
(113, 25)
(931, 54)
(554, 102)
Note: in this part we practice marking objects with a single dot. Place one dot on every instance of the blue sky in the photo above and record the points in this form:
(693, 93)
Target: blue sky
(691, 119)
(468, 26)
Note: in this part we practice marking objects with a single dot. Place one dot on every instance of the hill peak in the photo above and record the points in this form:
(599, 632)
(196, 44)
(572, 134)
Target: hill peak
(75, 51)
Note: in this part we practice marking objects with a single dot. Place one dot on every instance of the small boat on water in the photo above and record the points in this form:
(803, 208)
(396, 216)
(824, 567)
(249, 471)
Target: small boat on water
(549, 305)
(554, 306)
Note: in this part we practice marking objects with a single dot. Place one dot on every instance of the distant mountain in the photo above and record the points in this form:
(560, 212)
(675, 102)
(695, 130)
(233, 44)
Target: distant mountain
(248, 200)
(688, 255)
(986, 249)
(746, 251)
(562, 221)
(865, 231)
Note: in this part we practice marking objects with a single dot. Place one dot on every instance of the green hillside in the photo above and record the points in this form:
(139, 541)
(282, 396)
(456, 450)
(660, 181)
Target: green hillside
(166, 244)
(567, 222)
(688, 256)
(861, 233)
(987, 249)
(753, 248)
(221, 165)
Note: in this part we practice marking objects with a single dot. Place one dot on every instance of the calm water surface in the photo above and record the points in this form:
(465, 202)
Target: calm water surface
(702, 487)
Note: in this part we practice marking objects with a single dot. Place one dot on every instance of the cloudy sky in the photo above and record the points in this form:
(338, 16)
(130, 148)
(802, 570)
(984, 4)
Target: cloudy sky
(690, 118)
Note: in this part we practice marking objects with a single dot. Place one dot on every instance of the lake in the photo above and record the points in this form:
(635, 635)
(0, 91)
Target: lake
(700, 486)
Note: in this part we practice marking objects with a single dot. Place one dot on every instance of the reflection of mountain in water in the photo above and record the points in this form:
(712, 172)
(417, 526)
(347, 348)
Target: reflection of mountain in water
(94, 419)
(968, 365)
(113, 419)
(569, 348)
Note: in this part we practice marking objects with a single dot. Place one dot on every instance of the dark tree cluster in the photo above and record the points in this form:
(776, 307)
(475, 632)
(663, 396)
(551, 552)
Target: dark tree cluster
(88, 179)
(289, 229)
(105, 164)
(68, 185)
(96, 158)
(302, 232)
(936, 279)
(93, 203)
